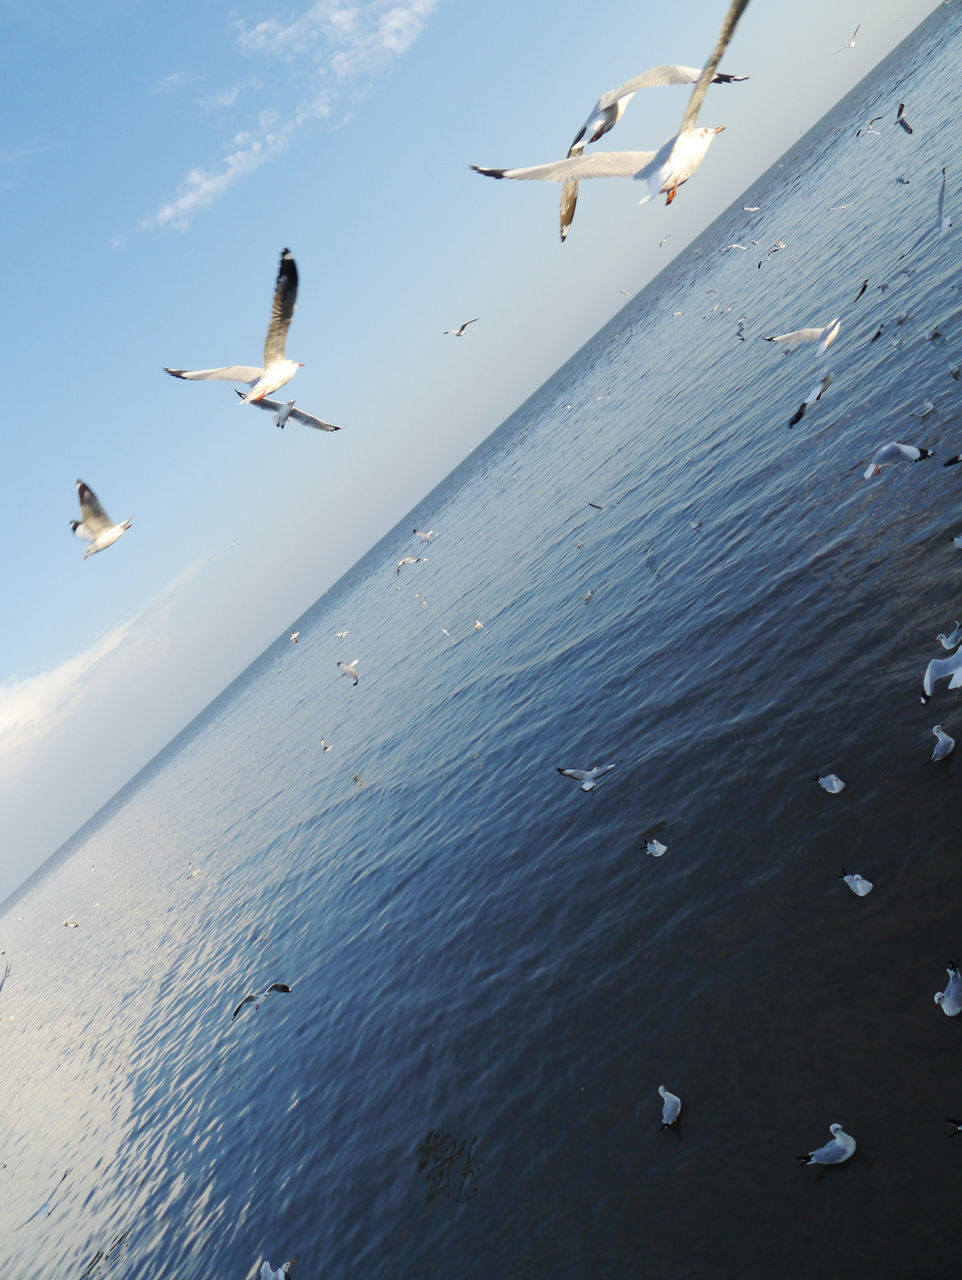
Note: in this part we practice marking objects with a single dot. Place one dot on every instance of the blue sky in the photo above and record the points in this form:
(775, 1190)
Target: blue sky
(154, 161)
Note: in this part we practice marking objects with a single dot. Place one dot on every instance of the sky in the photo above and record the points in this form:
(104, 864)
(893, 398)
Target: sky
(154, 162)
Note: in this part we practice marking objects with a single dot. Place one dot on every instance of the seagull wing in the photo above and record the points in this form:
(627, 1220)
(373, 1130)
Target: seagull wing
(579, 775)
(797, 335)
(95, 519)
(278, 986)
(247, 1000)
(308, 420)
(600, 164)
(735, 11)
(230, 373)
(6, 975)
(285, 295)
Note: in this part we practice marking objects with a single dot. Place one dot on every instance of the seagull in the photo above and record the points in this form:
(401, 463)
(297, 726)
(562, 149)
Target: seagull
(824, 336)
(281, 1273)
(609, 109)
(942, 221)
(867, 128)
(95, 526)
(587, 777)
(858, 884)
(671, 1107)
(958, 1126)
(459, 333)
(851, 43)
(938, 669)
(478, 624)
(944, 746)
(70, 923)
(894, 452)
(666, 169)
(45, 1209)
(900, 119)
(924, 409)
(655, 849)
(830, 782)
(425, 537)
(740, 329)
(348, 669)
(410, 560)
(953, 639)
(341, 634)
(862, 290)
(294, 635)
(813, 397)
(258, 1000)
(276, 369)
(284, 411)
(325, 746)
(835, 1152)
(951, 998)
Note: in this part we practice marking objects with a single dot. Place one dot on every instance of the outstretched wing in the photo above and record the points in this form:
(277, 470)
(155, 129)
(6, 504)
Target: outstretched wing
(600, 164)
(94, 517)
(285, 295)
(735, 11)
(230, 373)
(309, 420)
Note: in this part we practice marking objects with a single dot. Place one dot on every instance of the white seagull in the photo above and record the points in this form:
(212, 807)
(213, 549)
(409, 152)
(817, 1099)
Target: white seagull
(896, 451)
(951, 998)
(294, 635)
(851, 43)
(816, 393)
(425, 537)
(281, 1273)
(459, 333)
(858, 884)
(95, 526)
(944, 746)
(830, 782)
(655, 849)
(282, 412)
(900, 119)
(410, 560)
(349, 669)
(666, 169)
(939, 669)
(256, 1000)
(835, 1152)
(277, 369)
(824, 336)
(954, 639)
(586, 777)
(671, 1107)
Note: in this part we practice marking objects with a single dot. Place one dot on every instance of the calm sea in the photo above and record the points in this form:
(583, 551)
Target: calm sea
(490, 976)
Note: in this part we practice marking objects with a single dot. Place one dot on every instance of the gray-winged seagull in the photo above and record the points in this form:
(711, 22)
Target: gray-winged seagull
(950, 999)
(257, 999)
(95, 527)
(587, 777)
(282, 412)
(837, 1151)
(671, 1107)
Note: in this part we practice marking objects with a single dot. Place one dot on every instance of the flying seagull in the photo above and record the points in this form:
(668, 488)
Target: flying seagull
(459, 333)
(294, 635)
(45, 1210)
(95, 526)
(942, 221)
(851, 43)
(425, 536)
(281, 1273)
(938, 669)
(609, 109)
(410, 560)
(837, 1151)
(348, 669)
(867, 128)
(951, 998)
(896, 451)
(257, 1000)
(276, 369)
(587, 777)
(824, 336)
(813, 397)
(666, 169)
(900, 119)
(671, 1106)
(284, 411)
(953, 639)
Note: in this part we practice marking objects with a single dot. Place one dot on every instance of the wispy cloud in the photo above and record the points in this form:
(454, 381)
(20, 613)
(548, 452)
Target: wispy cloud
(339, 46)
(173, 83)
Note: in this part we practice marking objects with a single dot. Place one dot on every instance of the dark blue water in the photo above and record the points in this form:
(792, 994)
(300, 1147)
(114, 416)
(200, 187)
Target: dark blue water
(490, 977)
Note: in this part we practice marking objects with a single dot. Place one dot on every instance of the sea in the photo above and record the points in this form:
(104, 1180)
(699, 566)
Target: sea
(644, 567)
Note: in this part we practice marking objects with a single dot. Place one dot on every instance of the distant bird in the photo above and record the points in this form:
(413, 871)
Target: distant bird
(858, 884)
(942, 221)
(459, 333)
(861, 291)
(294, 635)
(325, 746)
(655, 849)
(751, 208)
(283, 412)
(953, 639)
(597, 506)
(830, 782)
(666, 169)
(902, 180)
(276, 369)
(256, 1000)
(588, 594)
(281, 1273)
(587, 777)
(341, 634)
(945, 744)
(958, 1126)
(894, 452)
(671, 1107)
(924, 409)
(939, 669)
(95, 526)
(867, 128)
(900, 119)
(425, 537)
(740, 329)
(813, 397)
(478, 624)
(951, 998)
(410, 560)
(851, 43)
(349, 669)
(837, 1151)
(70, 923)
(824, 336)
(45, 1210)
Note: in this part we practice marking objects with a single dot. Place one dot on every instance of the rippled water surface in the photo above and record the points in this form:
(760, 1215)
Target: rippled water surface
(490, 977)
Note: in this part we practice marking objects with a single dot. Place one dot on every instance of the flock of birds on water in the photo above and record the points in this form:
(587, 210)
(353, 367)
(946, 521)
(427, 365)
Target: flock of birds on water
(664, 170)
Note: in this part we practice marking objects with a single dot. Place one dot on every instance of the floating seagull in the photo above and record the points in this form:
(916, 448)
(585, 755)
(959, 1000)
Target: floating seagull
(858, 884)
(478, 624)
(655, 849)
(410, 560)
(951, 998)
(666, 169)
(280, 1274)
(945, 744)
(294, 635)
(459, 333)
(835, 1152)
(830, 782)
(348, 669)
(95, 526)
(425, 537)
(894, 452)
(258, 1000)
(824, 336)
(588, 594)
(924, 409)
(586, 777)
(954, 639)
(813, 397)
(284, 411)
(900, 119)
(938, 669)
(609, 109)
(671, 1107)
(276, 369)
(70, 923)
